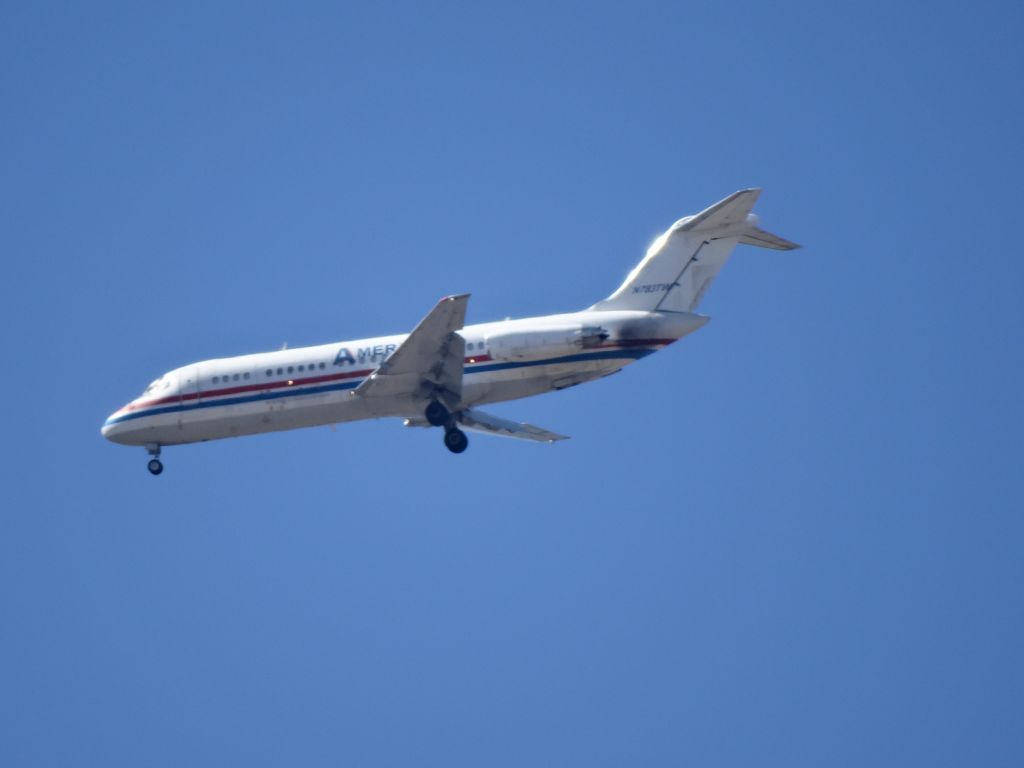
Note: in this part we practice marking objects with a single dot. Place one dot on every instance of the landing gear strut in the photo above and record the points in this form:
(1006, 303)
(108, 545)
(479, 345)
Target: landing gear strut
(155, 466)
(455, 440)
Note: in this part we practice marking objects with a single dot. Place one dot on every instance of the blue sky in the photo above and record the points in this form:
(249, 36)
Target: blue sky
(792, 539)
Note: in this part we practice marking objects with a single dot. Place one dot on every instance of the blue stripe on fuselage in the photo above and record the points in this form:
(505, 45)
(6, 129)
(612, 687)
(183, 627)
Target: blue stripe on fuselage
(614, 354)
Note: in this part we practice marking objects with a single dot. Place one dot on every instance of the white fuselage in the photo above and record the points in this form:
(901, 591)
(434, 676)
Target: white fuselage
(312, 386)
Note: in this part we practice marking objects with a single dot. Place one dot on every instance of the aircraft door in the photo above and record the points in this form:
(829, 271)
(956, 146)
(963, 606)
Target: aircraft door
(188, 389)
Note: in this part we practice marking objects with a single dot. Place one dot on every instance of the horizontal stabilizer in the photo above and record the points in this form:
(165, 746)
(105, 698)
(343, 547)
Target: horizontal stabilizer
(760, 238)
(485, 422)
(725, 214)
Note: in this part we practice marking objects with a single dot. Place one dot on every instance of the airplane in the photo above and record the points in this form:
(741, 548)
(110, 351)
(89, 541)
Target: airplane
(443, 371)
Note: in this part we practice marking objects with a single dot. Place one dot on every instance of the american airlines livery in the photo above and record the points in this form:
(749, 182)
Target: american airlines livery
(439, 374)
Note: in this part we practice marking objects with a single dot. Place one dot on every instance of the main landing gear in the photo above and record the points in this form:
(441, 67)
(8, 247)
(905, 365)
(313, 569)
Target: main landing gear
(155, 466)
(437, 415)
(455, 440)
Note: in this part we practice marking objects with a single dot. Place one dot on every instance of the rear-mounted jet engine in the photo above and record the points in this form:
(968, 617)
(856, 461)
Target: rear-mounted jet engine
(540, 345)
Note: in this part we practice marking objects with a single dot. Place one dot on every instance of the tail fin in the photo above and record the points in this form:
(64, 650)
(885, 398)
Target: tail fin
(680, 265)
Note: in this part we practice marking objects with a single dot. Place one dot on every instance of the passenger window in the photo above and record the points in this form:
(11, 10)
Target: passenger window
(302, 368)
(245, 375)
(280, 371)
(291, 369)
(321, 366)
(216, 379)
(270, 371)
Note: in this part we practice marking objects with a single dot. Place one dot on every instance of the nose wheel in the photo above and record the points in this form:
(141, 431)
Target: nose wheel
(155, 466)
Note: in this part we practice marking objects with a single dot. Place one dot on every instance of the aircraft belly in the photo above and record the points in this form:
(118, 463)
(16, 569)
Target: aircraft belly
(527, 381)
(290, 413)
(212, 422)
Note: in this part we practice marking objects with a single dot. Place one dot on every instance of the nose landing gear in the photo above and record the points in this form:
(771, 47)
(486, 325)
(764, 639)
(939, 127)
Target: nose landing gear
(155, 466)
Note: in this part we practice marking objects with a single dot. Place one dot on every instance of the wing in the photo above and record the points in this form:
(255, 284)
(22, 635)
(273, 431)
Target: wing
(429, 361)
(485, 422)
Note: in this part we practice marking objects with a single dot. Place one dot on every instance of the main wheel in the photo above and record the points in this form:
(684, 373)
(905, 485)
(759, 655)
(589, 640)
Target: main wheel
(436, 414)
(155, 466)
(455, 440)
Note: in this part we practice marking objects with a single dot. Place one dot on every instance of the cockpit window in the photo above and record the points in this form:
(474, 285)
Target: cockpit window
(154, 386)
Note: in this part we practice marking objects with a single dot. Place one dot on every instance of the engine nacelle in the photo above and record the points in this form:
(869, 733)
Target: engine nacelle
(540, 344)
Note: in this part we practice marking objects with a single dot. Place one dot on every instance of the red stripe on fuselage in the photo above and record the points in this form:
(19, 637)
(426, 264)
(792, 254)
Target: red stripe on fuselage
(341, 377)
(246, 388)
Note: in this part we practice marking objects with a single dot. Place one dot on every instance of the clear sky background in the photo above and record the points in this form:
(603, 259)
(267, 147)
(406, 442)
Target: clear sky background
(795, 538)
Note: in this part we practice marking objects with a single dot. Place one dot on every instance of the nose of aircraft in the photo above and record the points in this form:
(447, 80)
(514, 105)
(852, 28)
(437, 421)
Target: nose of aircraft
(110, 428)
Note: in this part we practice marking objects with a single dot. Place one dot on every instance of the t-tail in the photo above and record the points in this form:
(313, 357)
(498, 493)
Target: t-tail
(681, 264)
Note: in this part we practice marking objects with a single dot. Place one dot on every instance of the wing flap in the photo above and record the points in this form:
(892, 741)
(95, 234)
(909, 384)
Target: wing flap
(478, 421)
